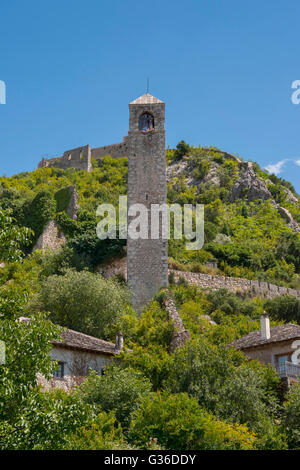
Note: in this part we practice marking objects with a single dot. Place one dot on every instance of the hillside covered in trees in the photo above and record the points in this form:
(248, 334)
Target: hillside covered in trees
(204, 395)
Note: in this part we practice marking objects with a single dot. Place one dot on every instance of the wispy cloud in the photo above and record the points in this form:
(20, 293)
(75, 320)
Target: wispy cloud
(276, 168)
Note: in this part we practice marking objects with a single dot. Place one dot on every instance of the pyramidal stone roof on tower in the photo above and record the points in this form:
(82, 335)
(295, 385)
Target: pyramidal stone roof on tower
(146, 99)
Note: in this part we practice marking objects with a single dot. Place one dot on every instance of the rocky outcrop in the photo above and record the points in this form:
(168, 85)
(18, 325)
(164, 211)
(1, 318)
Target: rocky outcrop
(181, 168)
(249, 186)
(285, 214)
(254, 188)
(213, 175)
(289, 195)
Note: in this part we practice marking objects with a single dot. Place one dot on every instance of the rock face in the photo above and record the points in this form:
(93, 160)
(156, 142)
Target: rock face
(290, 196)
(52, 237)
(176, 169)
(249, 185)
(285, 214)
(181, 168)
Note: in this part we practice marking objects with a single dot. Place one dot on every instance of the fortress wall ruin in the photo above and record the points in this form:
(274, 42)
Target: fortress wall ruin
(80, 158)
(234, 284)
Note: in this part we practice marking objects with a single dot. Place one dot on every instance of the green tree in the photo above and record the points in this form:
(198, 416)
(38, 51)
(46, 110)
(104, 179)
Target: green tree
(182, 149)
(46, 422)
(83, 301)
(12, 237)
(221, 381)
(291, 417)
(285, 308)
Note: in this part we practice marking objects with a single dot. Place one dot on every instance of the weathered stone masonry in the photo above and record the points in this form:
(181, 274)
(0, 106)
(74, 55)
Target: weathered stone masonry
(180, 335)
(80, 158)
(234, 284)
(147, 260)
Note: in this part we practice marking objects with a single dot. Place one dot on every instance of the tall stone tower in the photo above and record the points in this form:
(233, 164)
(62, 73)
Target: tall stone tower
(147, 259)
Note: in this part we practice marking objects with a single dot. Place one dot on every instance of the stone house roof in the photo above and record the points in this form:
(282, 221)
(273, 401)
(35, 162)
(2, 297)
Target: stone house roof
(75, 340)
(278, 333)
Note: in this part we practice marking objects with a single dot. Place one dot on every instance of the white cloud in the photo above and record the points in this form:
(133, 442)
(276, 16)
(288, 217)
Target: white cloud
(276, 167)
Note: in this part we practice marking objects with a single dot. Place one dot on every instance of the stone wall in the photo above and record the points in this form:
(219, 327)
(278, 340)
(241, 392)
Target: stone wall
(52, 237)
(80, 158)
(180, 335)
(234, 284)
(114, 150)
(207, 281)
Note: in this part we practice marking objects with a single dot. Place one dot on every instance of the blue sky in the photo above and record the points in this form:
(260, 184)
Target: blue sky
(224, 68)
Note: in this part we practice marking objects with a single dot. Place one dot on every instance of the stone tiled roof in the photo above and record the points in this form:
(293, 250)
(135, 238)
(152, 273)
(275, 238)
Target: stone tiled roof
(278, 333)
(146, 99)
(75, 340)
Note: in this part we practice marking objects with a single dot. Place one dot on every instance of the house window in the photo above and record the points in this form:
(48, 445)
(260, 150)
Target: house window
(60, 371)
(281, 359)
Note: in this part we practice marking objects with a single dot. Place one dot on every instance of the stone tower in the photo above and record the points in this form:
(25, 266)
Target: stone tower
(147, 259)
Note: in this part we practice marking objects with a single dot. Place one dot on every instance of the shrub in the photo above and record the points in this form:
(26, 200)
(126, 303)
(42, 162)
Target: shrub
(285, 308)
(291, 417)
(89, 251)
(101, 434)
(118, 389)
(38, 212)
(178, 422)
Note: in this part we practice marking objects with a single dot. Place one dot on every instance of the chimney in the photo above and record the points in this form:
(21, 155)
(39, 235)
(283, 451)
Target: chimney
(265, 327)
(119, 342)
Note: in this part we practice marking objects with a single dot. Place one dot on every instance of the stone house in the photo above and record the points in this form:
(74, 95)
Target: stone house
(76, 353)
(278, 346)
